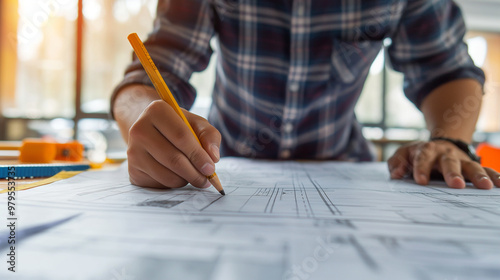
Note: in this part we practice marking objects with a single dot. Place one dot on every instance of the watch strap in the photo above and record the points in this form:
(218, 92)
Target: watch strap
(465, 147)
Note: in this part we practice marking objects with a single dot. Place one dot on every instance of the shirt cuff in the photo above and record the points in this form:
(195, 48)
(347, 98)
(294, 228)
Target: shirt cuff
(463, 73)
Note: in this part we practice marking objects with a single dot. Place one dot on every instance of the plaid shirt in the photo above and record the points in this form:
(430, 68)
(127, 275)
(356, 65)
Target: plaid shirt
(290, 72)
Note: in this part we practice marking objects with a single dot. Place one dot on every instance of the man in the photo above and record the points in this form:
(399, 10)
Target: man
(288, 76)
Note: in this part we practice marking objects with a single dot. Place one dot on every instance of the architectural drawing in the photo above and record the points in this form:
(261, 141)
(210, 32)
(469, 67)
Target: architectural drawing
(279, 220)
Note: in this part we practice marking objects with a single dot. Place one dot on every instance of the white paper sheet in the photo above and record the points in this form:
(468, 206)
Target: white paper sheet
(279, 220)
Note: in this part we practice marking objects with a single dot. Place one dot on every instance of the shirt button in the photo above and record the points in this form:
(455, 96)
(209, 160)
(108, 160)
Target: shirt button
(294, 87)
(288, 127)
(285, 154)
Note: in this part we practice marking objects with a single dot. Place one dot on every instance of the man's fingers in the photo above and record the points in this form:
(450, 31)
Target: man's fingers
(140, 178)
(476, 174)
(173, 128)
(451, 169)
(494, 176)
(443, 157)
(399, 163)
(423, 162)
(147, 172)
(154, 155)
(208, 135)
(173, 163)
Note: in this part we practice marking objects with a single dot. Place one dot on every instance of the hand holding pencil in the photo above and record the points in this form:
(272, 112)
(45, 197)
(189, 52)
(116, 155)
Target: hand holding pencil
(168, 146)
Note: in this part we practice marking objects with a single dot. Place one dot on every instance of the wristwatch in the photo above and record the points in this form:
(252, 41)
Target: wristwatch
(465, 147)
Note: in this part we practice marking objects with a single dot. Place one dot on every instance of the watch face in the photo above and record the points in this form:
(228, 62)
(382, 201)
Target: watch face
(471, 149)
(472, 153)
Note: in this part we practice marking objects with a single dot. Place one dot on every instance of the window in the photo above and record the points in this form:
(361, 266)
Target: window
(8, 53)
(369, 109)
(42, 84)
(60, 61)
(106, 50)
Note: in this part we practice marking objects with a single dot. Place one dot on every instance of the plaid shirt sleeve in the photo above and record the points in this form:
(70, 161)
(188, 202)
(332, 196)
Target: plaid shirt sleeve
(179, 45)
(428, 48)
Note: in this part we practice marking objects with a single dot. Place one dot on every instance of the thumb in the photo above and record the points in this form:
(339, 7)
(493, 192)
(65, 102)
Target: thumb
(208, 135)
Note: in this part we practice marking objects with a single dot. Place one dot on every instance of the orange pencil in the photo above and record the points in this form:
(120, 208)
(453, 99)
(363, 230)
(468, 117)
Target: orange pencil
(164, 92)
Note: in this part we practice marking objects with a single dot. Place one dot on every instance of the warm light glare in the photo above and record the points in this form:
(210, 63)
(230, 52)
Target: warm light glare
(120, 12)
(133, 6)
(478, 48)
(91, 9)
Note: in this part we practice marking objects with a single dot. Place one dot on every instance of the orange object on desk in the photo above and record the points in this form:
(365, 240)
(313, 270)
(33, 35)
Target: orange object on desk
(490, 155)
(33, 150)
(37, 151)
(69, 151)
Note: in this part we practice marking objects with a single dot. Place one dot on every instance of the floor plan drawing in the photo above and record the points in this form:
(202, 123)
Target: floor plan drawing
(279, 220)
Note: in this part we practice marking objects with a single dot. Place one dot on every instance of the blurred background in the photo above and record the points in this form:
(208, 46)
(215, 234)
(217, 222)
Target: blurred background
(60, 60)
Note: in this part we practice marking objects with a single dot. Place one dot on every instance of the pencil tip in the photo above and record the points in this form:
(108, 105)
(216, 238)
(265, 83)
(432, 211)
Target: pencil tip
(222, 192)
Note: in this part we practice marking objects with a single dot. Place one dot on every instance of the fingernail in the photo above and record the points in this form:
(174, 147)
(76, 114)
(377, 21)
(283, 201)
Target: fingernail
(207, 185)
(484, 182)
(481, 178)
(456, 177)
(215, 151)
(207, 169)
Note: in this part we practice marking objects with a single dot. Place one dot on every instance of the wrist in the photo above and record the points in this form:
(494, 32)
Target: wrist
(467, 148)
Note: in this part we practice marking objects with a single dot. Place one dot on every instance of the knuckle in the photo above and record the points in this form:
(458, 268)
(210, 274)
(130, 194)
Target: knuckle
(421, 156)
(217, 133)
(449, 151)
(447, 159)
(424, 154)
(137, 131)
(471, 165)
(196, 155)
(176, 161)
(136, 177)
(428, 146)
(176, 182)
(210, 132)
(198, 181)
(154, 107)
(155, 110)
(170, 179)
(180, 135)
(132, 155)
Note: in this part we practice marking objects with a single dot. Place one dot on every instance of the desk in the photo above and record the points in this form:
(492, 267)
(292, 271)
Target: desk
(22, 182)
(279, 220)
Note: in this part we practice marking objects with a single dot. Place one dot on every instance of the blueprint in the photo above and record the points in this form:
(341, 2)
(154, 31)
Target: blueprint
(279, 220)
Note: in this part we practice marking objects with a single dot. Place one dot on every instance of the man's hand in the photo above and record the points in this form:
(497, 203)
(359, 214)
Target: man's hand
(162, 151)
(420, 158)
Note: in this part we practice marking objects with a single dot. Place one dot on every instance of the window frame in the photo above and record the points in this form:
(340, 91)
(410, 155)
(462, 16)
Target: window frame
(79, 113)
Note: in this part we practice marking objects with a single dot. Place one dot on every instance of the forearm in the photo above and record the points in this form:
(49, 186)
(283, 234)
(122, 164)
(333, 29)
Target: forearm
(129, 104)
(452, 109)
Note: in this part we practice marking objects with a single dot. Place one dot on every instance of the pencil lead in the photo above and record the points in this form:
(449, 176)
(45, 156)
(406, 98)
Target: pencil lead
(222, 192)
